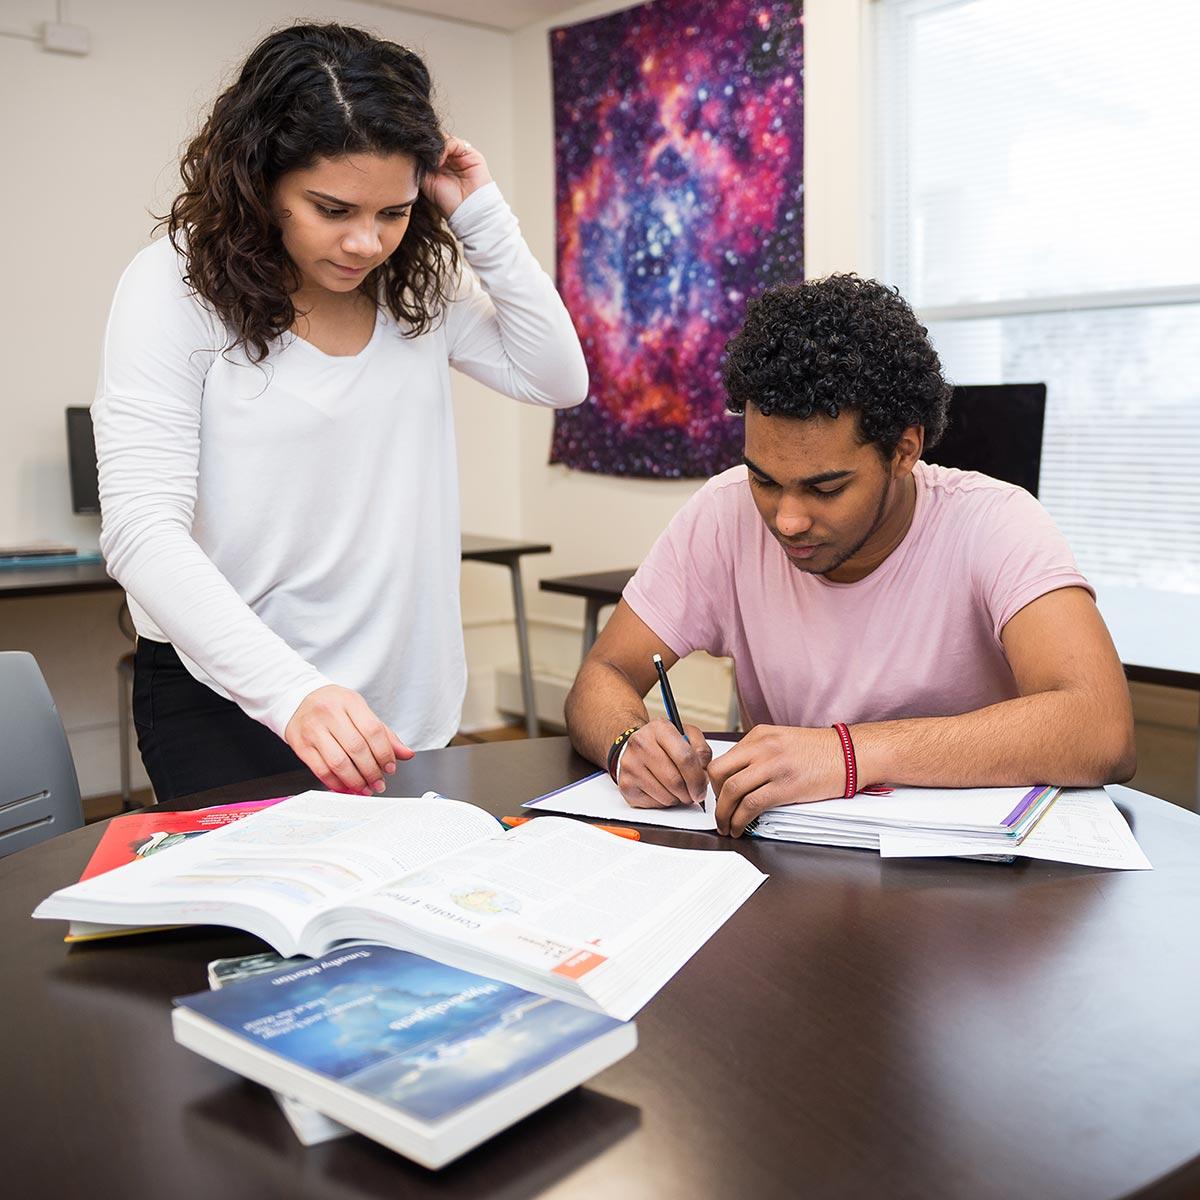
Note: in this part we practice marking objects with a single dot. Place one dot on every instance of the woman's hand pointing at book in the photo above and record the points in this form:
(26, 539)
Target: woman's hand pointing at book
(342, 742)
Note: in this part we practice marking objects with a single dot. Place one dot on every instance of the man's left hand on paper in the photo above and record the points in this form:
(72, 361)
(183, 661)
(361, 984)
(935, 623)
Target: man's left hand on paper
(774, 765)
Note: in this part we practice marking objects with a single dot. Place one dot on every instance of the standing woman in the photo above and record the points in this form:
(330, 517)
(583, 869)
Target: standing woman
(273, 421)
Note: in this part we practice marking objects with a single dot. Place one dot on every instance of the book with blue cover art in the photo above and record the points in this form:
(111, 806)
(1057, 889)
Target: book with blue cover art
(309, 1126)
(424, 1058)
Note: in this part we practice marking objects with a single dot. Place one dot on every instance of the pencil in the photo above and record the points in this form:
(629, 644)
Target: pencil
(668, 696)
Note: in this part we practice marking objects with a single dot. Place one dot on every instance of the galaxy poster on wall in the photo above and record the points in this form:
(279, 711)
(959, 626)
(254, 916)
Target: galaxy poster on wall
(679, 157)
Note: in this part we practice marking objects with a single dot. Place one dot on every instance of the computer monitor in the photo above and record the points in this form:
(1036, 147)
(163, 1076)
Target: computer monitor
(81, 461)
(996, 429)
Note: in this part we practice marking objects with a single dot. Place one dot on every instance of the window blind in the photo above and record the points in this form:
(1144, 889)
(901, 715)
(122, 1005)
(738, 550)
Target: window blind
(1039, 192)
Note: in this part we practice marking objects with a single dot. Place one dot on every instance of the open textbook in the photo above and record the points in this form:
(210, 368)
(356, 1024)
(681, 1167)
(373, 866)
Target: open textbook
(553, 906)
(1074, 825)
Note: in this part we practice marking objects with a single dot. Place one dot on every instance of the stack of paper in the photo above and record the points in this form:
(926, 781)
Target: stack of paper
(1082, 826)
(984, 820)
(597, 796)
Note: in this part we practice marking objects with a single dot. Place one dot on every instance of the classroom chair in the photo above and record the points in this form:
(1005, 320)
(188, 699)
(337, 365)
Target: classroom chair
(39, 790)
(995, 428)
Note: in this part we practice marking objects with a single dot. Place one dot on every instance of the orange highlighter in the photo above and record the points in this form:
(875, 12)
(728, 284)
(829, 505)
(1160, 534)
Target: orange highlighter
(617, 830)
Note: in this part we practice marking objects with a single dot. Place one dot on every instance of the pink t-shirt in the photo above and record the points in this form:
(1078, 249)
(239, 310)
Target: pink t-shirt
(918, 637)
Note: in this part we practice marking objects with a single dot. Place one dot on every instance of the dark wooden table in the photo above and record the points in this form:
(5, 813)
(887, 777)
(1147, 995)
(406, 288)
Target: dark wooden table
(859, 1029)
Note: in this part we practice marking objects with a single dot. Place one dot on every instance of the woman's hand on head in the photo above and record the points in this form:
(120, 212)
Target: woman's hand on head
(463, 171)
(342, 742)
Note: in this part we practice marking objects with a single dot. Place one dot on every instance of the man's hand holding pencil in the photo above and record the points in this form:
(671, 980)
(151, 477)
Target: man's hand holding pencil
(665, 762)
(661, 767)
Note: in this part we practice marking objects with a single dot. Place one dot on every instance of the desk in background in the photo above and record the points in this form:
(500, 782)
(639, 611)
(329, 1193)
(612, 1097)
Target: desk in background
(1157, 636)
(509, 554)
(50, 580)
(941, 1029)
(599, 590)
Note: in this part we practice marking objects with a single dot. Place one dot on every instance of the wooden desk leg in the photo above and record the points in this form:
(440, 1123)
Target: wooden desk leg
(531, 718)
(591, 619)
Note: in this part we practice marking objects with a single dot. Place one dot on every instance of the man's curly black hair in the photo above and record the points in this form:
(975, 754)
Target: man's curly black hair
(838, 343)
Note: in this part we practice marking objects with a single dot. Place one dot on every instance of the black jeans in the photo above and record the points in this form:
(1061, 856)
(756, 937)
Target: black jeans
(190, 738)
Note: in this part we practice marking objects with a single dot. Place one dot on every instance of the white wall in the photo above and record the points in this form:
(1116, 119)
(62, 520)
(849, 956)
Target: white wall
(91, 148)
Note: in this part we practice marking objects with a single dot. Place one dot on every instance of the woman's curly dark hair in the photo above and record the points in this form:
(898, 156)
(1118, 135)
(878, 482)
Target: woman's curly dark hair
(305, 93)
(839, 343)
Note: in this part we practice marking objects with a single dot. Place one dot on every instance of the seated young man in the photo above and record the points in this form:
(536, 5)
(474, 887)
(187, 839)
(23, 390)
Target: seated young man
(937, 614)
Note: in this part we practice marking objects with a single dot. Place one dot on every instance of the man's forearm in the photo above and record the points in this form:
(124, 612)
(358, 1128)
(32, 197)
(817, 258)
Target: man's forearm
(600, 705)
(1060, 737)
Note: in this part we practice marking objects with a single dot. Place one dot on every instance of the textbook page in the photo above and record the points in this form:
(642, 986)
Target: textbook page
(272, 871)
(543, 893)
(1082, 826)
(597, 796)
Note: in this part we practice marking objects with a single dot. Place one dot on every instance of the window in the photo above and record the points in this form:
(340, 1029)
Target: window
(1039, 192)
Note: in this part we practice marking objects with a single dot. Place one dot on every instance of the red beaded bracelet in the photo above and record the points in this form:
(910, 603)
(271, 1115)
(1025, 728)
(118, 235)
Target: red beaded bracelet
(848, 755)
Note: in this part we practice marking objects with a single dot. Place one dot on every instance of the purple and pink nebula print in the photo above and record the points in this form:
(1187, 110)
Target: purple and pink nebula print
(679, 156)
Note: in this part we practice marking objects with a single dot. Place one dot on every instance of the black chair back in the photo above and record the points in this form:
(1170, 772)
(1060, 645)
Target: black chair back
(996, 429)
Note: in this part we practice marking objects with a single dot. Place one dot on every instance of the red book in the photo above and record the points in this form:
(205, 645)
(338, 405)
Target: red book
(138, 835)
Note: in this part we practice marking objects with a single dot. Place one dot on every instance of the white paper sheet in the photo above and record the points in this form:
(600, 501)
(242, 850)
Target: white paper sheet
(1083, 826)
(597, 796)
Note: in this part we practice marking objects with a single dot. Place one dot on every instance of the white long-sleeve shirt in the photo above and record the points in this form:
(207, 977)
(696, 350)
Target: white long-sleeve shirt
(296, 523)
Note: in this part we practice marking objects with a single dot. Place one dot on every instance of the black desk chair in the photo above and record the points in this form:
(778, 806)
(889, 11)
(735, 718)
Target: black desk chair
(996, 429)
(39, 790)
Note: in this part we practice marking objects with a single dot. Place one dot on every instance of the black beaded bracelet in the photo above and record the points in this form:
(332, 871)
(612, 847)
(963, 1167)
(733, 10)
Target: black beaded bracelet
(615, 749)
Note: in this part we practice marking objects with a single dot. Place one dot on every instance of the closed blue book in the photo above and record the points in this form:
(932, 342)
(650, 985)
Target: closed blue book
(424, 1058)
